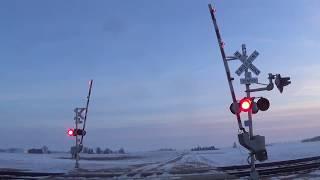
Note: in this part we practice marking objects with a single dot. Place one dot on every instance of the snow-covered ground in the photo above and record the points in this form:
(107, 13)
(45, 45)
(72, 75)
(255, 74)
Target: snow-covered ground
(62, 163)
(164, 161)
(276, 152)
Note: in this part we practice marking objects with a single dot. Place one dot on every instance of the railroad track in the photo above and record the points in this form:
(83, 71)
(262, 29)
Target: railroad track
(26, 175)
(303, 165)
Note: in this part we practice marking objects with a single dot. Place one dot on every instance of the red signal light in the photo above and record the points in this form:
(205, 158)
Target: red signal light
(245, 104)
(76, 132)
(70, 132)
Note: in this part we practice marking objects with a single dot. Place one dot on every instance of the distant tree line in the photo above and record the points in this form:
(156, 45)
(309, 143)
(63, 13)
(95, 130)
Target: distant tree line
(109, 151)
(12, 150)
(199, 148)
(43, 150)
(314, 139)
(166, 149)
(98, 150)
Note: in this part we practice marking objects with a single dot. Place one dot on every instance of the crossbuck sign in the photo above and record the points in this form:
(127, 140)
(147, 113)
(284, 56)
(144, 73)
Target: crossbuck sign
(247, 63)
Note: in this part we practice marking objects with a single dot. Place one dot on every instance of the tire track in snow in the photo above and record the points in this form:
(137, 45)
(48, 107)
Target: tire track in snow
(148, 170)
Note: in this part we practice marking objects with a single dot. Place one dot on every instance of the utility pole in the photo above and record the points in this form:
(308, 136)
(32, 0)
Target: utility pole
(254, 143)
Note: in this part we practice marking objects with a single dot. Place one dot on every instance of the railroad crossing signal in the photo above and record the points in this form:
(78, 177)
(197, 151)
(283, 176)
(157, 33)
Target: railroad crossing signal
(80, 117)
(254, 143)
(247, 62)
(76, 132)
(246, 104)
(281, 82)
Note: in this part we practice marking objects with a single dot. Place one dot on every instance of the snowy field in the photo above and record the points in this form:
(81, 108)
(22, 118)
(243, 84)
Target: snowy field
(166, 162)
(276, 152)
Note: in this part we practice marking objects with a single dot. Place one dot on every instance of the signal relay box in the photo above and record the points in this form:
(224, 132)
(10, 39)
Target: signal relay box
(256, 145)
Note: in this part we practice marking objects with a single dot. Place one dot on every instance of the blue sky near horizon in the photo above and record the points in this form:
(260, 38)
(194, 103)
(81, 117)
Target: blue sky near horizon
(158, 76)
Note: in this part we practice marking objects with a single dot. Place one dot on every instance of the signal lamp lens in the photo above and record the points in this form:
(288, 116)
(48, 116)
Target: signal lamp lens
(263, 104)
(70, 132)
(234, 108)
(245, 104)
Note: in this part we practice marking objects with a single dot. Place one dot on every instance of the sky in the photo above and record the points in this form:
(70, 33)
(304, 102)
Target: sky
(159, 80)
